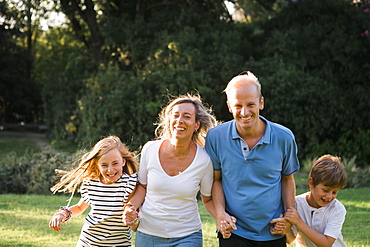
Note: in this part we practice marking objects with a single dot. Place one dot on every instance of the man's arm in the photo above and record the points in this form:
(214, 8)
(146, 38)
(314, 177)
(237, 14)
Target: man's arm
(288, 191)
(288, 194)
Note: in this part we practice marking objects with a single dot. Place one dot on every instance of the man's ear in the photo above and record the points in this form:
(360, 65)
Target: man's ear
(228, 106)
(262, 103)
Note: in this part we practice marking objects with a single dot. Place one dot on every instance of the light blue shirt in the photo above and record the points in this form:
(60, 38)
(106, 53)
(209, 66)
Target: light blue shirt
(252, 185)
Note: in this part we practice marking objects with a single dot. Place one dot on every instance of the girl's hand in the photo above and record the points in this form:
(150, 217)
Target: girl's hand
(130, 215)
(56, 221)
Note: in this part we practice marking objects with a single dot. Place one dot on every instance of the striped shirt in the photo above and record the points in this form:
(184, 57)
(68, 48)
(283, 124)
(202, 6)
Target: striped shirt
(103, 225)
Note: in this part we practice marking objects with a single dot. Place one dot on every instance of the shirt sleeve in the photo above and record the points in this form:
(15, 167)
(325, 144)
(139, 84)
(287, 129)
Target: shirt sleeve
(84, 191)
(131, 183)
(143, 169)
(207, 180)
(335, 222)
(291, 162)
(210, 148)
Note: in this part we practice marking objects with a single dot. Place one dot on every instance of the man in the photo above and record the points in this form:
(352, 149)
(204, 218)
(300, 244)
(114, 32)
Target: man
(254, 161)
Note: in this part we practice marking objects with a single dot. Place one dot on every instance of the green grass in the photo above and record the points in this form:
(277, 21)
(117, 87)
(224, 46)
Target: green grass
(24, 220)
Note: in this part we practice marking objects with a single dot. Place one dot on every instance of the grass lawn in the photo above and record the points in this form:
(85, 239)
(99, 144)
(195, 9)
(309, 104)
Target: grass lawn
(24, 220)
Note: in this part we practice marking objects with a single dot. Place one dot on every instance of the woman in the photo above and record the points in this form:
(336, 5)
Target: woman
(173, 169)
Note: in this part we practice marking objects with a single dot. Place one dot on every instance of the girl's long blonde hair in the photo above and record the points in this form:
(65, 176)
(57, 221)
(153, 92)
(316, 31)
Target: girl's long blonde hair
(88, 165)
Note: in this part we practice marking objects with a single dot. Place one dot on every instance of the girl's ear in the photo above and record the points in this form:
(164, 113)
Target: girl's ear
(124, 161)
(310, 183)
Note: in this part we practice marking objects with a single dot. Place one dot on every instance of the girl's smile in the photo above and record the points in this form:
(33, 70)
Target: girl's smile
(110, 166)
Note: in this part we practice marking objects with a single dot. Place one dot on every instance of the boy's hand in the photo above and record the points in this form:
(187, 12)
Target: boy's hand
(292, 216)
(281, 226)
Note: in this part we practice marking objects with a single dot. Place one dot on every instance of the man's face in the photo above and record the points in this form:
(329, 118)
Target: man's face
(244, 103)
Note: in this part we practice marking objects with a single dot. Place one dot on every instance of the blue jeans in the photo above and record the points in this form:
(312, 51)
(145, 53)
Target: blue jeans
(192, 240)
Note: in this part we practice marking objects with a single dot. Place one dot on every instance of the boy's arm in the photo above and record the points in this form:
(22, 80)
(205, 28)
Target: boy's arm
(317, 238)
(290, 237)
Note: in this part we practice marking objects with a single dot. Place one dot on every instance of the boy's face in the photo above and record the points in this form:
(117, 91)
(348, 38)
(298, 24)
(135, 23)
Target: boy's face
(321, 195)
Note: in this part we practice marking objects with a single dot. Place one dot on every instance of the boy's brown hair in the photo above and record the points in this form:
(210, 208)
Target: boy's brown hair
(328, 170)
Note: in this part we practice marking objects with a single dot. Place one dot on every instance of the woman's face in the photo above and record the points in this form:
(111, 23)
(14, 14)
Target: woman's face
(183, 121)
(111, 166)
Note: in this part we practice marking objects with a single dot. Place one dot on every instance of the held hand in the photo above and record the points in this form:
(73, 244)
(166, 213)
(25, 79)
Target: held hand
(226, 225)
(130, 215)
(292, 216)
(56, 221)
(280, 227)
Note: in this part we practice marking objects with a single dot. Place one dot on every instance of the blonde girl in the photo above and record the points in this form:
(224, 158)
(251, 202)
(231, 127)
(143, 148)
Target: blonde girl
(108, 174)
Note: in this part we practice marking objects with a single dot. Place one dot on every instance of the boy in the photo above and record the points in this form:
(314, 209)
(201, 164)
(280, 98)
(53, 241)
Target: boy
(318, 217)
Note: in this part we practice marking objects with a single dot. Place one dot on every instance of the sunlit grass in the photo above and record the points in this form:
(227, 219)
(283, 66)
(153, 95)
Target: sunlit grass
(24, 220)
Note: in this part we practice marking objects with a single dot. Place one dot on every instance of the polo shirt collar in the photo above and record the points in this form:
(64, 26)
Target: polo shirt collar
(266, 138)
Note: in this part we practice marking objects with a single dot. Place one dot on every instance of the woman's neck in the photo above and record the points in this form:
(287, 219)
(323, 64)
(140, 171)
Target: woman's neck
(178, 147)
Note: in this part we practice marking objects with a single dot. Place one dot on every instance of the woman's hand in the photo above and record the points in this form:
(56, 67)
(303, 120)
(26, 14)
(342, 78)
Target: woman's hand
(226, 224)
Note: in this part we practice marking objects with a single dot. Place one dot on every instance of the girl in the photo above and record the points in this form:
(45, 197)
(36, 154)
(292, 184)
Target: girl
(108, 174)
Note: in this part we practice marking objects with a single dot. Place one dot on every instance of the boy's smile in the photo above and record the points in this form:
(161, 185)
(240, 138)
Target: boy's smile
(321, 195)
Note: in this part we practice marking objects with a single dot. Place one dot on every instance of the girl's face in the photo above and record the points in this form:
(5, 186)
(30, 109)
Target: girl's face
(183, 121)
(111, 166)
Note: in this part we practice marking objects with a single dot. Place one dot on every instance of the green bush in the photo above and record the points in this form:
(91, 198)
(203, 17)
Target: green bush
(313, 63)
(32, 173)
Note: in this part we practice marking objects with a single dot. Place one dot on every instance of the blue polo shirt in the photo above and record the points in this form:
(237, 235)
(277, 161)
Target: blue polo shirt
(252, 185)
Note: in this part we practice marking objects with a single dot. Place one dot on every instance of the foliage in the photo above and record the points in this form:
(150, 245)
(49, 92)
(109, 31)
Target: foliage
(16, 88)
(61, 66)
(315, 75)
(32, 173)
(172, 63)
(110, 67)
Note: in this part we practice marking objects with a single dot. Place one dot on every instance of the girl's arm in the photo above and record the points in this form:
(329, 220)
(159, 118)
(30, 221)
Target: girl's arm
(61, 215)
(79, 208)
(319, 239)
